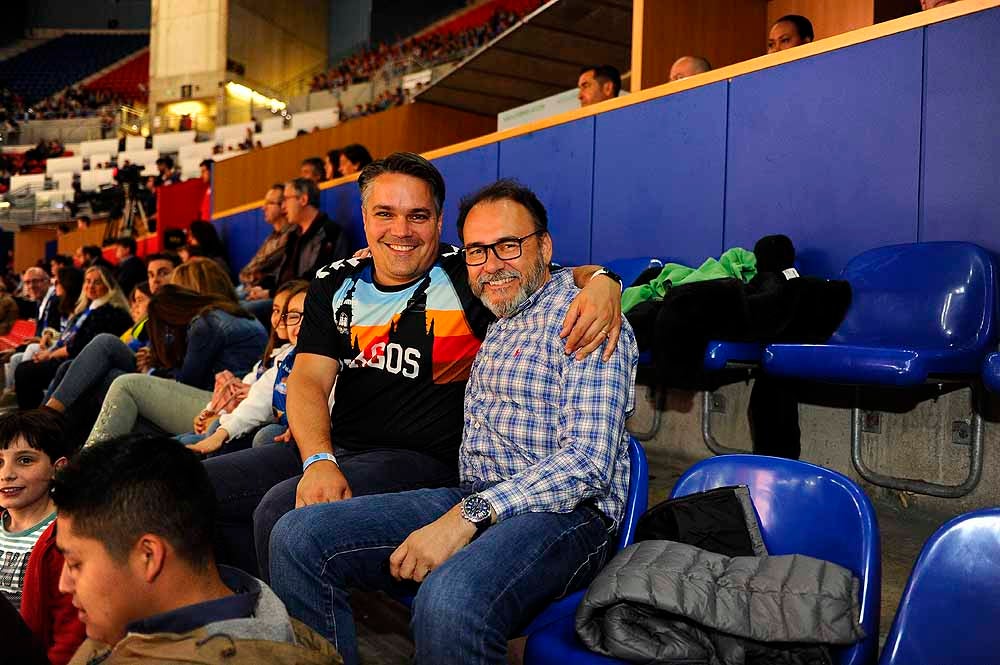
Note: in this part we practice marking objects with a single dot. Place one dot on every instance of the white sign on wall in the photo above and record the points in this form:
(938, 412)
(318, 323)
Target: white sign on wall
(542, 108)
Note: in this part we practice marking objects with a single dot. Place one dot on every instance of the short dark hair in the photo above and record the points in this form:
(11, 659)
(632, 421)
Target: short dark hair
(604, 74)
(307, 187)
(163, 256)
(502, 190)
(207, 163)
(42, 429)
(166, 160)
(405, 163)
(93, 251)
(84, 218)
(317, 165)
(802, 25)
(117, 490)
(62, 260)
(128, 243)
(357, 154)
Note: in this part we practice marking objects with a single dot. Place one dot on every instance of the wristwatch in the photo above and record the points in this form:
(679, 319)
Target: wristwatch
(608, 273)
(477, 510)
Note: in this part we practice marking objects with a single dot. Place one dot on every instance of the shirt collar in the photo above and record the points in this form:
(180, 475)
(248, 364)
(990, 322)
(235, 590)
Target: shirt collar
(241, 604)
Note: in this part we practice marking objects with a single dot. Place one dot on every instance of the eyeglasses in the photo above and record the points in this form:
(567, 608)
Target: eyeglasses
(291, 318)
(506, 250)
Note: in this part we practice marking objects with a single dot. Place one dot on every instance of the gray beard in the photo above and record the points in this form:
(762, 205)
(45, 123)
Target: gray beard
(530, 283)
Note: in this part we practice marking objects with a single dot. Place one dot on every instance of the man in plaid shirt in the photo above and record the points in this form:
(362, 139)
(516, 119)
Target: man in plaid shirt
(543, 466)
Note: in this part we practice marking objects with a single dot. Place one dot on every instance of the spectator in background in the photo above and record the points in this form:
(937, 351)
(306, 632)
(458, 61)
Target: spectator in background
(158, 269)
(331, 164)
(597, 84)
(353, 158)
(8, 310)
(687, 66)
(102, 307)
(788, 32)
(207, 167)
(82, 223)
(34, 299)
(268, 257)
(931, 4)
(168, 175)
(131, 269)
(205, 238)
(312, 168)
(94, 256)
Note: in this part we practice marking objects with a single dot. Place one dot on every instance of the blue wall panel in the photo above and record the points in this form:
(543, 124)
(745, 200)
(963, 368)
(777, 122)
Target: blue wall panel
(557, 163)
(464, 173)
(961, 174)
(343, 204)
(242, 234)
(659, 182)
(826, 150)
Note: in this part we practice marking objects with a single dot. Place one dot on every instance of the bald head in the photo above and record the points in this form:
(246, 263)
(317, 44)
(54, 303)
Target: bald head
(689, 65)
(36, 283)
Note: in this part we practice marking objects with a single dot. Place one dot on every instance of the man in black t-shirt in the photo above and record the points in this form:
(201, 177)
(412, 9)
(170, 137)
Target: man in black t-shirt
(397, 333)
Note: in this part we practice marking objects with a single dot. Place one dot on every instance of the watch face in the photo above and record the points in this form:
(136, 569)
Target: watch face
(476, 509)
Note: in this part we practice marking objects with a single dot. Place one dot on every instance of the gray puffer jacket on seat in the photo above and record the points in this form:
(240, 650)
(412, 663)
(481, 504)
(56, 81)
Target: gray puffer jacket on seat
(666, 602)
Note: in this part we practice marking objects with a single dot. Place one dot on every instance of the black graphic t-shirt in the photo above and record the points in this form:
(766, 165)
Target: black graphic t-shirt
(405, 353)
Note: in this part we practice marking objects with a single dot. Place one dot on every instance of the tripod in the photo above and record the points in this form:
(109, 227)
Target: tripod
(134, 220)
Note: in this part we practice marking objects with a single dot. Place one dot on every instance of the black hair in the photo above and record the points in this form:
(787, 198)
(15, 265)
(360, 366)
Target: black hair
(42, 429)
(71, 281)
(208, 238)
(357, 154)
(166, 160)
(117, 490)
(164, 256)
(334, 157)
(802, 25)
(280, 186)
(501, 190)
(128, 243)
(405, 163)
(62, 260)
(208, 164)
(85, 219)
(308, 187)
(604, 74)
(317, 165)
(93, 251)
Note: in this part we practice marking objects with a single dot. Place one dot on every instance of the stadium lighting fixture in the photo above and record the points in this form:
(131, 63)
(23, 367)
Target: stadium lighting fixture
(243, 93)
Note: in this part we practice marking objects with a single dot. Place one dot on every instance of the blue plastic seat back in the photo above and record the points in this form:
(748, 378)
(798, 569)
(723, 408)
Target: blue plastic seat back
(991, 372)
(807, 509)
(638, 493)
(950, 608)
(930, 295)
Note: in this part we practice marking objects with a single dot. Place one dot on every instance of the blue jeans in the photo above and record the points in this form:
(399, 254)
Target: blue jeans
(255, 487)
(94, 368)
(465, 610)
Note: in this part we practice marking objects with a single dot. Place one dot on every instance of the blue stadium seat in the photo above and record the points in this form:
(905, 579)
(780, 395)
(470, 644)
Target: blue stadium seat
(635, 506)
(949, 609)
(44, 70)
(991, 372)
(802, 509)
(919, 311)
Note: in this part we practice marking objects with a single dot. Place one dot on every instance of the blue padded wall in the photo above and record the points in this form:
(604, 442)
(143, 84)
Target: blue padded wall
(961, 160)
(242, 234)
(558, 164)
(826, 150)
(464, 173)
(343, 204)
(659, 178)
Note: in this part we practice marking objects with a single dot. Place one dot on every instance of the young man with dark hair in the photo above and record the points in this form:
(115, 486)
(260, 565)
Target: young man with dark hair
(597, 84)
(158, 269)
(543, 466)
(94, 256)
(788, 32)
(165, 168)
(136, 522)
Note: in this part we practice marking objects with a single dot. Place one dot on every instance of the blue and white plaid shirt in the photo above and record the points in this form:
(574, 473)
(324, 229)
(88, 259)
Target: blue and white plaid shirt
(547, 429)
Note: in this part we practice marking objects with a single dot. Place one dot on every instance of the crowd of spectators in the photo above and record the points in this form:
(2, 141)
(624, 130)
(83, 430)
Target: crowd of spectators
(429, 49)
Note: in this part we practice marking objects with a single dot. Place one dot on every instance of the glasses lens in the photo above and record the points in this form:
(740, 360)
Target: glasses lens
(475, 256)
(509, 249)
(292, 318)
